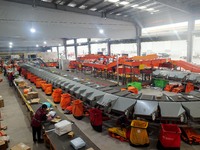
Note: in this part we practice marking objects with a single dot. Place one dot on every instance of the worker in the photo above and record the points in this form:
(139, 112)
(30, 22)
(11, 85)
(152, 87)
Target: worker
(10, 78)
(36, 123)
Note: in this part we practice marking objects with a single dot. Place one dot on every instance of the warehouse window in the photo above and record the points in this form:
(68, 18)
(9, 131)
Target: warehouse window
(70, 41)
(82, 40)
(165, 29)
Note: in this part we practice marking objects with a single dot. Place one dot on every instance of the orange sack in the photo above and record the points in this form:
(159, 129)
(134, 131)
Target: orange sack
(39, 83)
(48, 89)
(77, 109)
(57, 95)
(65, 100)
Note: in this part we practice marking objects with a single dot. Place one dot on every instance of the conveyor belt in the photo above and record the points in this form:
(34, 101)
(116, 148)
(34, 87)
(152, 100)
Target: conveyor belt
(123, 104)
(122, 93)
(192, 109)
(169, 104)
(171, 109)
(146, 108)
(113, 91)
(62, 142)
(147, 97)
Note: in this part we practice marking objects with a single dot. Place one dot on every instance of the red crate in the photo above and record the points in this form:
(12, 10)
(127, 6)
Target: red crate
(170, 136)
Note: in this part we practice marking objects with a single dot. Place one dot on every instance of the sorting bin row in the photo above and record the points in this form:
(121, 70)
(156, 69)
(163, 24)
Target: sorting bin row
(166, 108)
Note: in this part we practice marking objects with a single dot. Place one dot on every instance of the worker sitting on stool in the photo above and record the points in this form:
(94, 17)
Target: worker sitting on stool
(36, 123)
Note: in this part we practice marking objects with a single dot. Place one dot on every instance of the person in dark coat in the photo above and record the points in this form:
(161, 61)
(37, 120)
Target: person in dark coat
(36, 123)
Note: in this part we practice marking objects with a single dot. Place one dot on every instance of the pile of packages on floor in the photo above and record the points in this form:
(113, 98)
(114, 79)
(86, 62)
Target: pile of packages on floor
(4, 138)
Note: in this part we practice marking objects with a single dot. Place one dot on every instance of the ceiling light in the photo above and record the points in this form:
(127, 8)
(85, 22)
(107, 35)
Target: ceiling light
(101, 31)
(10, 46)
(113, 1)
(32, 30)
(82, 7)
(10, 43)
(45, 42)
(59, 44)
(136, 5)
(93, 9)
(37, 45)
(124, 3)
(142, 7)
(150, 9)
(118, 14)
(71, 5)
(156, 11)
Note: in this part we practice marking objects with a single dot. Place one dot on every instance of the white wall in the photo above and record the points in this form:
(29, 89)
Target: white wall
(52, 24)
(129, 49)
(175, 48)
(95, 48)
(70, 53)
(82, 50)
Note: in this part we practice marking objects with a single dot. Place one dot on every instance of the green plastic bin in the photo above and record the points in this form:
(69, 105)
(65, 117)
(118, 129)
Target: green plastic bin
(160, 83)
(137, 85)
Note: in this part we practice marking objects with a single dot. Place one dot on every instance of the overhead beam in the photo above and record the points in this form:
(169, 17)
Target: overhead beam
(67, 2)
(175, 5)
(71, 9)
(82, 3)
(94, 5)
(107, 6)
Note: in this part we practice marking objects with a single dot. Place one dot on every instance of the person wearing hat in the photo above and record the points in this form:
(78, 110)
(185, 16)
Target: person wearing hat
(36, 123)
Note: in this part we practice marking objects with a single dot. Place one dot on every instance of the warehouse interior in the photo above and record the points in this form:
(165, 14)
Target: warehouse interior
(115, 74)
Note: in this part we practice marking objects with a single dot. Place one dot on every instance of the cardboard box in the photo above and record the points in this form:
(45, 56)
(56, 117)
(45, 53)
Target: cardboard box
(1, 101)
(63, 127)
(20, 146)
(31, 95)
(70, 134)
(90, 148)
(3, 145)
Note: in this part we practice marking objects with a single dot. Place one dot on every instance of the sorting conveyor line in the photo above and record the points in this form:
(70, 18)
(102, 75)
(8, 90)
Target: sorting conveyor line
(193, 77)
(104, 89)
(70, 85)
(94, 95)
(122, 93)
(80, 90)
(192, 110)
(145, 108)
(123, 104)
(74, 88)
(144, 105)
(113, 91)
(107, 99)
(177, 98)
(171, 110)
(195, 93)
(189, 97)
(147, 97)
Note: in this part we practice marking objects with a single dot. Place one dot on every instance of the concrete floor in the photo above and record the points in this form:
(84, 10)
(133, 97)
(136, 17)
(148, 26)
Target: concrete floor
(19, 130)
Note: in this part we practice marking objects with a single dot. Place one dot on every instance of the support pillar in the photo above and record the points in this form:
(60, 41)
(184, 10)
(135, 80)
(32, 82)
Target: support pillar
(89, 46)
(138, 39)
(191, 24)
(108, 47)
(65, 47)
(75, 49)
(58, 57)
